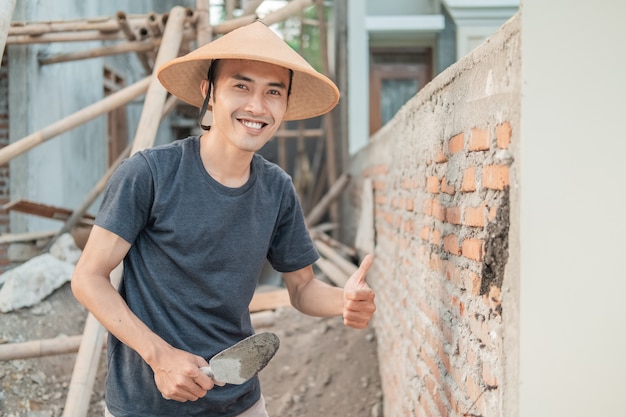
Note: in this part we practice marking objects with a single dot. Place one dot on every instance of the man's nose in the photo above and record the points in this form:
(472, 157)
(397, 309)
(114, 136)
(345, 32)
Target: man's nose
(255, 103)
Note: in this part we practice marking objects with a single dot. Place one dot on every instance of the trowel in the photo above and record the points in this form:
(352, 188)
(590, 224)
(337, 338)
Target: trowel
(243, 360)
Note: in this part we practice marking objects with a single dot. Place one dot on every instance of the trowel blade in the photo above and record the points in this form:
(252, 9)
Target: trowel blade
(242, 361)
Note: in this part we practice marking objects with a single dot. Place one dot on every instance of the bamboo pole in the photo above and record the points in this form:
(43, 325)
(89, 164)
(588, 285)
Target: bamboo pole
(155, 97)
(136, 46)
(38, 348)
(329, 253)
(154, 25)
(250, 7)
(71, 344)
(103, 24)
(316, 214)
(64, 37)
(87, 359)
(130, 35)
(230, 25)
(6, 13)
(331, 156)
(90, 112)
(204, 31)
(83, 377)
(292, 8)
(307, 133)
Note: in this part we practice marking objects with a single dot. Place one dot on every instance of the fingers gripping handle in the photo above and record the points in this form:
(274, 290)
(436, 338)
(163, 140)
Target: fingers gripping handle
(208, 372)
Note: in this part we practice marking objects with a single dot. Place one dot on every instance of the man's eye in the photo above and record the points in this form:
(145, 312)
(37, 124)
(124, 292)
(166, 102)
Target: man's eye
(274, 92)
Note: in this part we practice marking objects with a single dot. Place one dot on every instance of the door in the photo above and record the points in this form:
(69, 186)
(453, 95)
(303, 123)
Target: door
(396, 75)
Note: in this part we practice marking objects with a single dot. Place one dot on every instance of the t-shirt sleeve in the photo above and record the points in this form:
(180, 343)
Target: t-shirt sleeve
(291, 248)
(127, 201)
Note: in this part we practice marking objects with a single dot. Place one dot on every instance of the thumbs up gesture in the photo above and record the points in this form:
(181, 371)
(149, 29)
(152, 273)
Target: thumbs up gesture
(358, 297)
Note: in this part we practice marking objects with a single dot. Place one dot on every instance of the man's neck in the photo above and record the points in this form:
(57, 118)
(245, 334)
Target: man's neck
(227, 165)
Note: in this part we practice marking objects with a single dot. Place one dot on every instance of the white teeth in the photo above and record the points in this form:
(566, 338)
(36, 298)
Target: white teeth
(253, 125)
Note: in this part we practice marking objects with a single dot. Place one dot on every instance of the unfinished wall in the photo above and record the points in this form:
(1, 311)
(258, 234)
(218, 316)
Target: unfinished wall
(443, 176)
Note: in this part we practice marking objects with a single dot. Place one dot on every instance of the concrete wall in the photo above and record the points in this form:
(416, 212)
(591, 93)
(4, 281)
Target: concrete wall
(573, 280)
(443, 174)
(499, 227)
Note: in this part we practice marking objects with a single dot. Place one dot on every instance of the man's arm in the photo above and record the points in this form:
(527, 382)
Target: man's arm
(315, 298)
(177, 373)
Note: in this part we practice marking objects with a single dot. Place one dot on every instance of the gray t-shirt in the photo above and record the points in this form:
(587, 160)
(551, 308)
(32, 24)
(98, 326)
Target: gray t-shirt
(197, 251)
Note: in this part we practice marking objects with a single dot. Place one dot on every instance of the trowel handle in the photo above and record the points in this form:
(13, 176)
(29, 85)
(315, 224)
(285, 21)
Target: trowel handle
(207, 371)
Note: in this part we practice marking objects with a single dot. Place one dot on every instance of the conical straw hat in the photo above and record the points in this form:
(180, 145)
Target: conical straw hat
(312, 93)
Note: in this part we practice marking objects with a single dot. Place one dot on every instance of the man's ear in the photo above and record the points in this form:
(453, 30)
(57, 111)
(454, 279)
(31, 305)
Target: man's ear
(204, 87)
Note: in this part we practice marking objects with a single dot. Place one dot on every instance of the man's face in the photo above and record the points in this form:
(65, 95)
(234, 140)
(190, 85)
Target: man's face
(249, 102)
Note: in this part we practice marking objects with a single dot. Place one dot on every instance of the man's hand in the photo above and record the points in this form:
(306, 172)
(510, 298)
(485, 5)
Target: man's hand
(178, 376)
(358, 297)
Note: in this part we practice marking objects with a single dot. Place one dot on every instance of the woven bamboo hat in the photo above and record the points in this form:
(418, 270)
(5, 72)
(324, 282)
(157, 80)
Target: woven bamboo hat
(312, 93)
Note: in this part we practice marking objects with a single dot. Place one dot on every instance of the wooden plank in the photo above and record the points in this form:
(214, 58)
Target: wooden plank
(45, 210)
(270, 300)
(26, 237)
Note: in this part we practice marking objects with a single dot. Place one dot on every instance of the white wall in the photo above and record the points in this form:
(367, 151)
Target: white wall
(573, 197)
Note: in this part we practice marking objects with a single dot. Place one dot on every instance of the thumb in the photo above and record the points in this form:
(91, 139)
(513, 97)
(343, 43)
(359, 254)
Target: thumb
(359, 276)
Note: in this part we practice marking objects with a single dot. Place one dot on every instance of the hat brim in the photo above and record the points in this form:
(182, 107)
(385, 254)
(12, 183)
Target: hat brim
(312, 93)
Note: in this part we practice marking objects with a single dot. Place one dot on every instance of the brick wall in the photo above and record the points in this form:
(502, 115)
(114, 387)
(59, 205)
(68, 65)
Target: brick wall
(441, 173)
(4, 169)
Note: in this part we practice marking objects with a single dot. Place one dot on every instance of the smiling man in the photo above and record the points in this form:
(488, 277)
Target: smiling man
(194, 222)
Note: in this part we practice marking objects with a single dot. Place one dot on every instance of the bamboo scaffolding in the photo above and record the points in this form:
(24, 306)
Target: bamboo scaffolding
(81, 385)
(65, 37)
(103, 24)
(250, 7)
(90, 112)
(331, 160)
(136, 46)
(6, 13)
(38, 348)
(122, 21)
(154, 25)
(262, 315)
(204, 30)
(291, 8)
(316, 214)
(78, 214)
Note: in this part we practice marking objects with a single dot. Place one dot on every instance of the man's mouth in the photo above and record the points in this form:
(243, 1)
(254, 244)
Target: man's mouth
(252, 125)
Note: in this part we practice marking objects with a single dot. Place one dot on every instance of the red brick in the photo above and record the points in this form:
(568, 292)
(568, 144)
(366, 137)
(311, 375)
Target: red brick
(440, 155)
(425, 233)
(380, 170)
(379, 185)
(472, 282)
(479, 140)
(503, 135)
(447, 188)
(451, 244)
(436, 237)
(432, 185)
(435, 263)
(439, 211)
(495, 177)
(456, 143)
(469, 181)
(409, 204)
(428, 207)
(473, 249)
(475, 216)
(453, 215)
